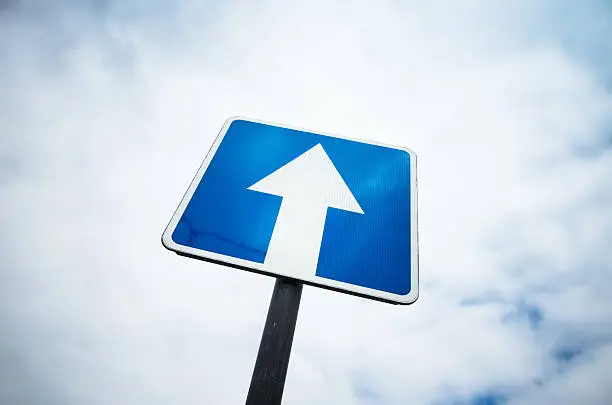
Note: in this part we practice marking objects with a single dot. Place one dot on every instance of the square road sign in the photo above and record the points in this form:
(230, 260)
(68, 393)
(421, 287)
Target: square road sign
(323, 209)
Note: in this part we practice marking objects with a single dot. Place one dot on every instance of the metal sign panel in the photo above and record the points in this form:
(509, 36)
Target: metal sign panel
(323, 209)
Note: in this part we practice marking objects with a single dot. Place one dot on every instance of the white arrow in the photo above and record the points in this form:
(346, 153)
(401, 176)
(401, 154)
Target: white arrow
(309, 184)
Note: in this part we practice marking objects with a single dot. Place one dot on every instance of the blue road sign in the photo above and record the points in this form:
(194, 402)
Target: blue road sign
(323, 209)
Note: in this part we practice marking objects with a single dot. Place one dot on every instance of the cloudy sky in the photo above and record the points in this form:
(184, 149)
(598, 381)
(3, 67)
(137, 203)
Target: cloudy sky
(107, 109)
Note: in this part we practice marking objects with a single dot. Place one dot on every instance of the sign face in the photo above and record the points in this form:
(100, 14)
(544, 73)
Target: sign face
(325, 210)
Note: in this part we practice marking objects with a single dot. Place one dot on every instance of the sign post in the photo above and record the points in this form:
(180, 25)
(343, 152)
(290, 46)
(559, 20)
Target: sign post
(270, 370)
(307, 208)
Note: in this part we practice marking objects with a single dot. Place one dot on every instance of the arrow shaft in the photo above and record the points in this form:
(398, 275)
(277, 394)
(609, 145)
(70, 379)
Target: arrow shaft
(296, 239)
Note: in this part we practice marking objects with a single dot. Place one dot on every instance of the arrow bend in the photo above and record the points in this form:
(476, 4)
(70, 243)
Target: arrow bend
(309, 184)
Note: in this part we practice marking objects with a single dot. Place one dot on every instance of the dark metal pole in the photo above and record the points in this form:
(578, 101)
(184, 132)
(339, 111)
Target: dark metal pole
(272, 361)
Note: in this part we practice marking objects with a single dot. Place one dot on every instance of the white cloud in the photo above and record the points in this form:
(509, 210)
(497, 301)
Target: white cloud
(109, 109)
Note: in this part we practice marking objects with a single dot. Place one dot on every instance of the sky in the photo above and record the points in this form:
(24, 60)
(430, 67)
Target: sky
(107, 109)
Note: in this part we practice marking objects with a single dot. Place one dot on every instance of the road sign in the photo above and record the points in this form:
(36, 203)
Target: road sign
(318, 208)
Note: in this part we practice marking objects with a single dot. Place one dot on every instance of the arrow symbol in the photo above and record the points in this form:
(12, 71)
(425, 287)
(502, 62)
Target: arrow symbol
(309, 184)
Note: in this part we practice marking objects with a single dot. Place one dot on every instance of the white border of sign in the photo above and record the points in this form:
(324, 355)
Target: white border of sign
(315, 280)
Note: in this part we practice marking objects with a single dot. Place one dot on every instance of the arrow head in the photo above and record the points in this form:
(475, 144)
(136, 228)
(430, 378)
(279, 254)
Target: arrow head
(312, 177)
